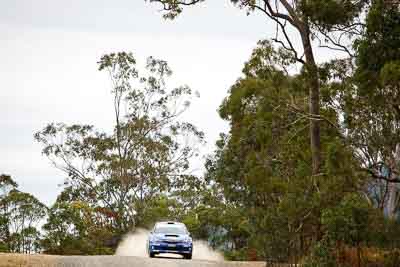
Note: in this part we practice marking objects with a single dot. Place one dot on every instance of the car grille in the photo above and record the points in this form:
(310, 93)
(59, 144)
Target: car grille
(172, 241)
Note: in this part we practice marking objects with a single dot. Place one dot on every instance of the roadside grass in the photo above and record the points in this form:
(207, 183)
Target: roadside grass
(19, 260)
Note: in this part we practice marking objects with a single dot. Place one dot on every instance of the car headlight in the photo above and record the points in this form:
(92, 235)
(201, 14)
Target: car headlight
(154, 239)
(188, 240)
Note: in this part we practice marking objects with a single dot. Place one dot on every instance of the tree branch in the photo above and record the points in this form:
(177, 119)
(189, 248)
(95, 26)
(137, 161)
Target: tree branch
(275, 16)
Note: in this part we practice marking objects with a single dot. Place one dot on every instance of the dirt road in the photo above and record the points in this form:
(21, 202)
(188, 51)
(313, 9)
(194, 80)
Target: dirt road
(8, 260)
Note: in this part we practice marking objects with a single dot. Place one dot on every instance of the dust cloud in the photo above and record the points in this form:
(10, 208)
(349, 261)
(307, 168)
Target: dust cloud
(134, 244)
(202, 251)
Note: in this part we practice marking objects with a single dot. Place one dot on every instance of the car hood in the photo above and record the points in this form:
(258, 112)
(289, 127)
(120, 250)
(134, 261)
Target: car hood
(170, 237)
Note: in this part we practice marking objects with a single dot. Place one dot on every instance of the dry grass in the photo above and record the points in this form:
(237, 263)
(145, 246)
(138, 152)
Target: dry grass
(15, 260)
(369, 256)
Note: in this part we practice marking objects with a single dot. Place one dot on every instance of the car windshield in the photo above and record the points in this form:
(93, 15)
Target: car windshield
(170, 230)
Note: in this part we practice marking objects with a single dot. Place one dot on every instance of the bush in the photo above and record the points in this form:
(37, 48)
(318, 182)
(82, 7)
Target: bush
(321, 256)
(348, 222)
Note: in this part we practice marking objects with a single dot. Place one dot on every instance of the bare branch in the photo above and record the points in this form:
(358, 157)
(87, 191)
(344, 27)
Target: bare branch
(337, 44)
(275, 16)
(378, 176)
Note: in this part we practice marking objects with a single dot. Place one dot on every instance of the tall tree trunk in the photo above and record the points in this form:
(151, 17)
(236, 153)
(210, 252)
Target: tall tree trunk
(391, 200)
(393, 187)
(314, 105)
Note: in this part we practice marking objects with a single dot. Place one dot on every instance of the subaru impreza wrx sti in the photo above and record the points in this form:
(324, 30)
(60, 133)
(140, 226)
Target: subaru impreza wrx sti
(170, 237)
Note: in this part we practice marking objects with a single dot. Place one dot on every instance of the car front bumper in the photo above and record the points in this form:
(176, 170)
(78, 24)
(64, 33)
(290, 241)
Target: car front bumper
(178, 248)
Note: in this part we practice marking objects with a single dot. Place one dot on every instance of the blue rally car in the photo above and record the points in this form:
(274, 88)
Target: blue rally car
(170, 237)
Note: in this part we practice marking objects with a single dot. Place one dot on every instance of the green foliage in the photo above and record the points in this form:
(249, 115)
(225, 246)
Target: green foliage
(262, 166)
(329, 13)
(321, 256)
(6, 182)
(381, 38)
(161, 208)
(326, 13)
(20, 215)
(377, 76)
(74, 228)
(260, 197)
(368, 98)
(24, 212)
(349, 221)
(6, 185)
(119, 181)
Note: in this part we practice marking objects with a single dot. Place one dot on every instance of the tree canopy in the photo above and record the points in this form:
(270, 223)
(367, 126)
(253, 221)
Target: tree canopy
(308, 172)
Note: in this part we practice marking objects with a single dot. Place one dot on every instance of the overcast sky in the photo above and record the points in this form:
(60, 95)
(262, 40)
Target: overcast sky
(48, 70)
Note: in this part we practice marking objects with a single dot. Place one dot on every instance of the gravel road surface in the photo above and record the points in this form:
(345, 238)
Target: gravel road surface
(8, 260)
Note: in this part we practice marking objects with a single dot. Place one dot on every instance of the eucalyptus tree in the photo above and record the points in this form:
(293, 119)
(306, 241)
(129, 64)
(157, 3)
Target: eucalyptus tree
(20, 216)
(24, 213)
(365, 92)
(371, 104)
(329, 21)
(6, 185)
(77, 228)
(145, 155)
(262, 165)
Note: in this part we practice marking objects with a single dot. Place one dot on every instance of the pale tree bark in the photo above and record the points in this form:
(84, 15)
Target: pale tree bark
(393, 198)
(302, 26)
(314, 101)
